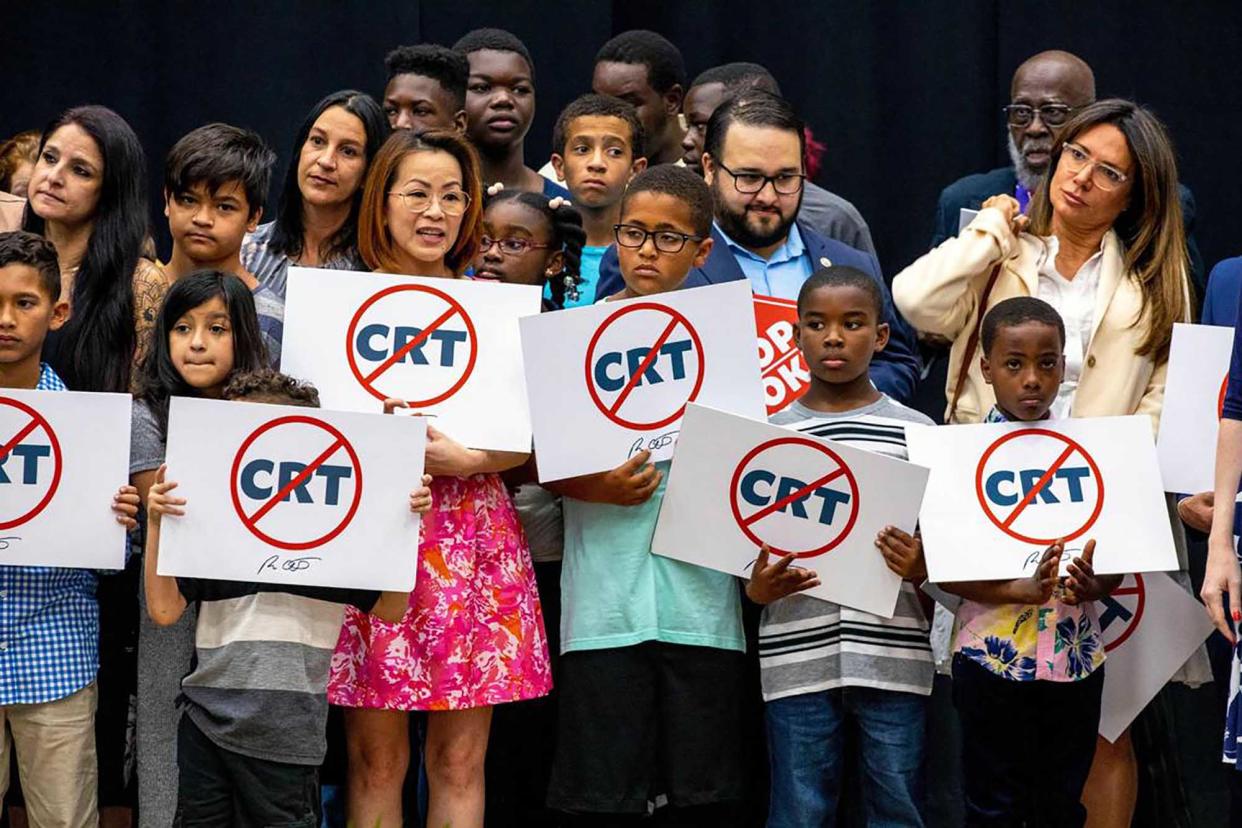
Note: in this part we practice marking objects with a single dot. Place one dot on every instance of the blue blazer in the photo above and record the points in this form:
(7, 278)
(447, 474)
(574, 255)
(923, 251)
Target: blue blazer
(895, 370)
(970, 192)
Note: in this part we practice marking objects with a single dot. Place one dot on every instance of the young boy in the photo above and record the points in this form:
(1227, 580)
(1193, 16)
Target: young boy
(822, 665)
(426, 88)
(49, 616)
(652, 673)
(215, 180)
(1028, 662)
(597, 148)
(256, 707)
(500, 103)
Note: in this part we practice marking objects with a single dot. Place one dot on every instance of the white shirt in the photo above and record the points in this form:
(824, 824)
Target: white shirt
(1074, 299)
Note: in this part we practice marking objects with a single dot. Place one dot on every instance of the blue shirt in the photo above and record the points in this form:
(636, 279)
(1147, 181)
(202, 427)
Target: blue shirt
(49, 622)
(589, 271)
(780, 275)
(616, 593)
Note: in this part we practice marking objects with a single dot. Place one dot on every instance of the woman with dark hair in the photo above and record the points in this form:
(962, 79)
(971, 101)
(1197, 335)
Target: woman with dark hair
(1105, 245)
(317, 216)
(88, 197)
(201, 310)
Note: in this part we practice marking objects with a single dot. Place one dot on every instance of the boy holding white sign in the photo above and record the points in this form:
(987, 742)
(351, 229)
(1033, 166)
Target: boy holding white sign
(652, 669)
(49, 626)
(252, 737)
(822, 664)
(1028, 655)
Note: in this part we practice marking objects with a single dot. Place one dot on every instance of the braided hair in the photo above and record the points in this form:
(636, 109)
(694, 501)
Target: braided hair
(567, 236)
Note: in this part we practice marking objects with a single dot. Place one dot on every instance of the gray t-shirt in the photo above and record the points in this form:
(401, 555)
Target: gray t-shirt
(807, 645)
(540, 513)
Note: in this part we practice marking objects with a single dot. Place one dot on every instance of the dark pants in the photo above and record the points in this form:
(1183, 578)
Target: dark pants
(221, 788)
(1027, 746)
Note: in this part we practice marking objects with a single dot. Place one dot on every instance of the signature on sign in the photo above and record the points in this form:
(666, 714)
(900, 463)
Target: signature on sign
(1067, 554)
(275, 564)
(5, 543)
(653, 443)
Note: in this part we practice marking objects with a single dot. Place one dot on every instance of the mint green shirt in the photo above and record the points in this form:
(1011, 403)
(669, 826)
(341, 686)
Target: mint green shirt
(616, 593)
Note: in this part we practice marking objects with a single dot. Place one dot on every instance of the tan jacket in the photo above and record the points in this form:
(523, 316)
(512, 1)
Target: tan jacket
(940, 294)
(11, 209)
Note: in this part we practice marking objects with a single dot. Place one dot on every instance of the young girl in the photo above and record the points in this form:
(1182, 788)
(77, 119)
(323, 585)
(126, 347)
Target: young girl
(206, 330)
(473, 636)
(531, 240)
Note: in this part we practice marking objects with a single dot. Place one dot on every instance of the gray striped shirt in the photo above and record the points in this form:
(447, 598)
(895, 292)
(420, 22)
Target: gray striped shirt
(807, 645)
(271, 267)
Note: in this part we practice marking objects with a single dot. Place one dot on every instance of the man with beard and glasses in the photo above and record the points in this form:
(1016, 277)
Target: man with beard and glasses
(1046, 90)
(753, 160)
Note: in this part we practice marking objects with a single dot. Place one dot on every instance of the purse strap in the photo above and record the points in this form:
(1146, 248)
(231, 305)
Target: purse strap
(972, 342)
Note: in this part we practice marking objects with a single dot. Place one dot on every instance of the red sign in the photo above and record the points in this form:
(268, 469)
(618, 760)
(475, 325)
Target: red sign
(1006, 522)
(250, 519)
(32, 423)
(1121, 611)
(784, 371)
(440, 389)
(783, 494)
(621, 343)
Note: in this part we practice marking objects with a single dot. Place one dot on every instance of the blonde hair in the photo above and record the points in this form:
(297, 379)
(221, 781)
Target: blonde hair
(375, 243)
(24, 146)
(1151, 229)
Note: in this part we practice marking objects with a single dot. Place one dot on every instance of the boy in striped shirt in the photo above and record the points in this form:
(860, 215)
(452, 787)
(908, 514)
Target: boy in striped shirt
(822, 664)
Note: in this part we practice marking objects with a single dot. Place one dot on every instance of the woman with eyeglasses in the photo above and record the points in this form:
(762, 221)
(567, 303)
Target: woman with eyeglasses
(1104, 244)
(473, 636)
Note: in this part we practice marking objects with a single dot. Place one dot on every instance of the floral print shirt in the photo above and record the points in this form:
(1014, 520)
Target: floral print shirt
(1023, 642)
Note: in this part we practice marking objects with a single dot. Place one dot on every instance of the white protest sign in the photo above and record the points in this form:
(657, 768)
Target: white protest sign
(1001, 493)
(292, 495)
(1194, 396)
(784, 371)
(610, 380)
(63, 455)
(448, 347)
(736, 484)
(1150, 626)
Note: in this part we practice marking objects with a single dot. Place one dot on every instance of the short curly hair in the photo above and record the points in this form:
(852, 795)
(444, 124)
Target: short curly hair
(270, 386)
(445, 66)
(496, 40)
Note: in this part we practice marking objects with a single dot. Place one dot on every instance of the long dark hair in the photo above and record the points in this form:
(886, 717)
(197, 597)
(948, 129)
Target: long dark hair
(96, 346)
(1150, 227)
(159, 379)
(288, 232)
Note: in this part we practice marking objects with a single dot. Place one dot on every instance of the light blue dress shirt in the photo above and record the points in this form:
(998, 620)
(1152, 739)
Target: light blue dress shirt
(782, 274)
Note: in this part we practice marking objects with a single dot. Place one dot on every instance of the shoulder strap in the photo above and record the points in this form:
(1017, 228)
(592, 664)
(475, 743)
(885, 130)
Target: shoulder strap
(972, 342)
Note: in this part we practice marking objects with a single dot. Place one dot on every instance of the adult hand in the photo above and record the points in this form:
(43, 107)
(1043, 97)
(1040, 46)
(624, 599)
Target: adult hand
(631, 483)
(420, 498)
(1196, 511)
(773, 581)
(446, 456)
(1219, 577)
(1011, 210)
(902, 552)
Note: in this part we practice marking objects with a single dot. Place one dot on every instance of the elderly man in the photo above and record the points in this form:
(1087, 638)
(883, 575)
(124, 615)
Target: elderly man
(1046, 90)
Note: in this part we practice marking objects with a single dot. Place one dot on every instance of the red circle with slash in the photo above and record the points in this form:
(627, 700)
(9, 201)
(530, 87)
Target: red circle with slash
(368, 381)
(1139, 590)
(1072, 447)
(612, 411)
(37, 421)
(250, 521)
(841, 470)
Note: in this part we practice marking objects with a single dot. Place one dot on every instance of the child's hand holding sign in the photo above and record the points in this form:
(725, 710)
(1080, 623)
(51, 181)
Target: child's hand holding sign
(771, 582)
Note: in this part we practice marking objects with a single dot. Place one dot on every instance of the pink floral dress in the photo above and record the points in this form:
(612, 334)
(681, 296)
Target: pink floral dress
(473, 634)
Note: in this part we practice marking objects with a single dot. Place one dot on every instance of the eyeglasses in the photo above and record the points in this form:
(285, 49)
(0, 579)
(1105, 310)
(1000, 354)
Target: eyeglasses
(1052, 115)
(452, 202)
(666, 241)
(752, 183)
(510, 246)
(1104, 176)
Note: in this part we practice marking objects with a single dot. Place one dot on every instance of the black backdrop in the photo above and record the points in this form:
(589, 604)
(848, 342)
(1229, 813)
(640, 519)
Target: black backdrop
(906, 95)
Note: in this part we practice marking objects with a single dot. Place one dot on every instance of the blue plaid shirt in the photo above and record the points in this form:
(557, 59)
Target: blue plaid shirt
(49, 622)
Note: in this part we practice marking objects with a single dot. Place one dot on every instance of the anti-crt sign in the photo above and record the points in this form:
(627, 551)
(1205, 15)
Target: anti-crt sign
(612, 379)
(1193, 398)
(63, 455)
(285, 494)
(737, 484)
(999, 494)
(447, 347)
(785, 374)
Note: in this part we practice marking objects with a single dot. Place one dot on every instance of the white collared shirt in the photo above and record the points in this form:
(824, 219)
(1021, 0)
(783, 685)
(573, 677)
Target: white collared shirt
(1075, 300)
